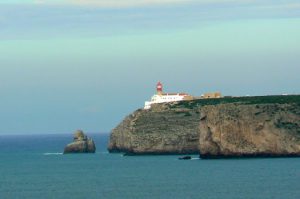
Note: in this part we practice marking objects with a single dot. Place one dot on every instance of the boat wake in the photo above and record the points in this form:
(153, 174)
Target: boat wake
(52, 153)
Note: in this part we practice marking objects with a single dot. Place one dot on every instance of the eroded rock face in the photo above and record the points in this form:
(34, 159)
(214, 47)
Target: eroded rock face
(249, 130)
(229, 127)
(81, 144)
(160, 130)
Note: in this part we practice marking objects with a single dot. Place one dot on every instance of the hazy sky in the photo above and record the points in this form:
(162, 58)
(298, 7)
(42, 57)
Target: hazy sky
(85, 64)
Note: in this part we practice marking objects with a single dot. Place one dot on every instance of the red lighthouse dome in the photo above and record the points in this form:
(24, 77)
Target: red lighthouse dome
(159, 88)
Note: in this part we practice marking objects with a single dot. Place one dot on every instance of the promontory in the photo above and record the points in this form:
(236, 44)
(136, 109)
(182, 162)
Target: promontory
(225, 127)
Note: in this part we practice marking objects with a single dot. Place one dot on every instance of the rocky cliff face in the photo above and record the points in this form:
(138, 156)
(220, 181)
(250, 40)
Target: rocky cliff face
(163, 129)
(238, 130)
(226, 127)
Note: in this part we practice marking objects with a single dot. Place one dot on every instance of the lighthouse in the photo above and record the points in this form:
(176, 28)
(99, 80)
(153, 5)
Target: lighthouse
(159, 88)
(161, 97)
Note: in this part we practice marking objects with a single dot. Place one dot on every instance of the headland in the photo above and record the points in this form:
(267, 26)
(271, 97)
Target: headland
(258, 126)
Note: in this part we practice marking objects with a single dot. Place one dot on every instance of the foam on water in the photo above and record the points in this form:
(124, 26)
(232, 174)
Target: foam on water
(53, 154)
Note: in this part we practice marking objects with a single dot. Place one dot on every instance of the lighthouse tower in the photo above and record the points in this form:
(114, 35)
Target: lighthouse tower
(161, 97)
(159, 88)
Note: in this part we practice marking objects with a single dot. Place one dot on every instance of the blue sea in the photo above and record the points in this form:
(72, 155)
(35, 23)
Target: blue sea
(33, 166)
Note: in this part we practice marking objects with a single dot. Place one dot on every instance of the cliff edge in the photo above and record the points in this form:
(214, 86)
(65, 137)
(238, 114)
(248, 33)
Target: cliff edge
(250, 130)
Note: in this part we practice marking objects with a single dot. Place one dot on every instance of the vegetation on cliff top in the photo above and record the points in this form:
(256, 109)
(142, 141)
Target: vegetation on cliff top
(274, 99)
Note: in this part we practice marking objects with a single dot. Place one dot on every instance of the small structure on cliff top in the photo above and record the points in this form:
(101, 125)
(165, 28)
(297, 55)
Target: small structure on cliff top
(161, 97)
(81, 144)
(211, 95)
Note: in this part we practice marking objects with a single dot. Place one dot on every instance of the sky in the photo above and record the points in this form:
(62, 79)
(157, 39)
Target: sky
(86, 64)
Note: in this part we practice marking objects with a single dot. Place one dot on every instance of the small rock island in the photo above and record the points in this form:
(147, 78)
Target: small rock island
(81, 144)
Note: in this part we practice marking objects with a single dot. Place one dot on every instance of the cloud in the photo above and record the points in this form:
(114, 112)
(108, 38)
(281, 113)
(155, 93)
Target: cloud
(269, 4)
(138, 3)
(282, 6)
(114, 3)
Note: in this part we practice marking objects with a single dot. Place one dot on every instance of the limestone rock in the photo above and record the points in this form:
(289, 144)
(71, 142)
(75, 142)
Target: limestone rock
(249, 130)
(163, 129)
(81, 144)
(229, 126)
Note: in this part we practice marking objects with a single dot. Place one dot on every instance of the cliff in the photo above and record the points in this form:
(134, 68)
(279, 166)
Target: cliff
(184, 127)
(159, 130)
(250, 130)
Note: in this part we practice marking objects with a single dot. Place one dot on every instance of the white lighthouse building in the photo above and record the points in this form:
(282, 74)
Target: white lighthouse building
(161, 97)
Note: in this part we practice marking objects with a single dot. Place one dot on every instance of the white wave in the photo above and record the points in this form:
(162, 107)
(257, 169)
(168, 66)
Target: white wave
(53, 153)
(195, 159)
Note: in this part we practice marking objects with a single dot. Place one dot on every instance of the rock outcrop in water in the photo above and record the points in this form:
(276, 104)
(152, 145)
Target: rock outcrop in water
(250, 130)
(226, 127)
(159, 130)
(81, 144)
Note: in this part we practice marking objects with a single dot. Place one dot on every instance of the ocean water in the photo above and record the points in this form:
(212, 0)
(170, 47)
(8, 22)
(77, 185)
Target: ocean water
(33, 167)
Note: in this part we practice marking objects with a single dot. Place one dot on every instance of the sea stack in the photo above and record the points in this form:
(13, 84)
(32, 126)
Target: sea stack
(81, 144)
